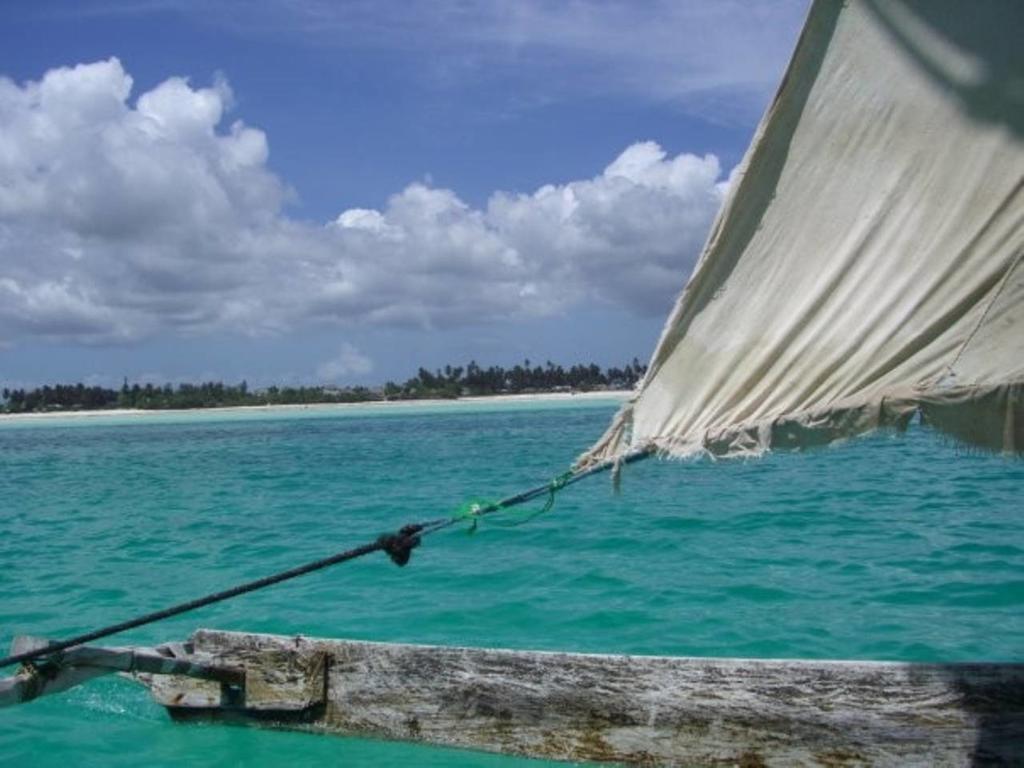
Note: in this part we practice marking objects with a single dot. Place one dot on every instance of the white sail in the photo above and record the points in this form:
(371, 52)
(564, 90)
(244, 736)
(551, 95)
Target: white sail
(867, 264)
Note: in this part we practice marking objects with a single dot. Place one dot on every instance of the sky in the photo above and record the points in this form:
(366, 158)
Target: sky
(320, 192)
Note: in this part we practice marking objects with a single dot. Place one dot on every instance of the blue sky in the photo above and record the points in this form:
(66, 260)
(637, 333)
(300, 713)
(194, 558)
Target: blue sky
(310, 191)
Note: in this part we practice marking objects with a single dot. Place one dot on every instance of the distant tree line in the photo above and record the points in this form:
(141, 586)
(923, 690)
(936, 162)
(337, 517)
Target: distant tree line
(59, 397)
(522, 378)
(449, 382)
(213, 394)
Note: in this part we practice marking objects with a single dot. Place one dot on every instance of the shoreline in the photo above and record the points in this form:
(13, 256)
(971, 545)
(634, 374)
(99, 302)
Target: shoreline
(538, 397)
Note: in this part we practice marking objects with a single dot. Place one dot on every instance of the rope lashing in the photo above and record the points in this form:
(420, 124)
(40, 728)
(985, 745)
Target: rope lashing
(556, 484)
(471, 511)
(474, 510)
(398, 546)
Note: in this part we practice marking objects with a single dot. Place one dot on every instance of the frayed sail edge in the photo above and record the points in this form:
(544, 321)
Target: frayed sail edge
(985, 417)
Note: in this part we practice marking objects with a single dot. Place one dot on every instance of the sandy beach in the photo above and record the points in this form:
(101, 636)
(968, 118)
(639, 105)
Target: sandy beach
(397, 404)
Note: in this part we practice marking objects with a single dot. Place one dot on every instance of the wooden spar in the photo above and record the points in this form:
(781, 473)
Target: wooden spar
(82, 663)
(642, 710)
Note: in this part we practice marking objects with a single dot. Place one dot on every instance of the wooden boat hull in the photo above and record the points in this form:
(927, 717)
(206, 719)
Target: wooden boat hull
(629, 709)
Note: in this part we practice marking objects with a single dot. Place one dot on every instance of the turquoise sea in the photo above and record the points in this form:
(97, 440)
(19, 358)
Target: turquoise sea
(886, 547)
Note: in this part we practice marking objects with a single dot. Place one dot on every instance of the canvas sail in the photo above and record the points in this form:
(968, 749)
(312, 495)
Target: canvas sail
(867, 263)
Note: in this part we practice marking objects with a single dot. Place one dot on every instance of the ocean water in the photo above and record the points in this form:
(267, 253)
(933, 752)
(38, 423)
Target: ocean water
(900, 547)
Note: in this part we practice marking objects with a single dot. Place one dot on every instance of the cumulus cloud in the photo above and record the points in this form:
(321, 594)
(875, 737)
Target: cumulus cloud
(347, 363)
(115, 219)
(119, 219)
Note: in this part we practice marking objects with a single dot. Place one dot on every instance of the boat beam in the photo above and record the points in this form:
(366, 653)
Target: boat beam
(640, 710)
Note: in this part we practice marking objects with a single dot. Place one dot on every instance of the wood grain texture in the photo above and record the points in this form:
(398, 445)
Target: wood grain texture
(639, 710)
(272, 680)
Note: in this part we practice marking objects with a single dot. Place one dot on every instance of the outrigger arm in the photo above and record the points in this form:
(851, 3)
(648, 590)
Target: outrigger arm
(74, 666)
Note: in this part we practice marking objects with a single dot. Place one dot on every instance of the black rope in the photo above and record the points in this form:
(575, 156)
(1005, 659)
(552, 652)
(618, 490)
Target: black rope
(191, 605)
(398, 546)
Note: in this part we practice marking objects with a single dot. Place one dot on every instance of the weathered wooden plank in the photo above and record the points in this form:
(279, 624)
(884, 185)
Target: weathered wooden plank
(648, 710)
(275, 680)
(286, 681)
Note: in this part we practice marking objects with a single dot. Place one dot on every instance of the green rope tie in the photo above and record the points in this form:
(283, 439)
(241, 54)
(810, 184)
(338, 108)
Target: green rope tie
(473, 510)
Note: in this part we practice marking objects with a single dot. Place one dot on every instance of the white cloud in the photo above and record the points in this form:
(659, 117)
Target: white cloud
(119, 220)
(349, 362)
(115, 220)
(628, 236)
